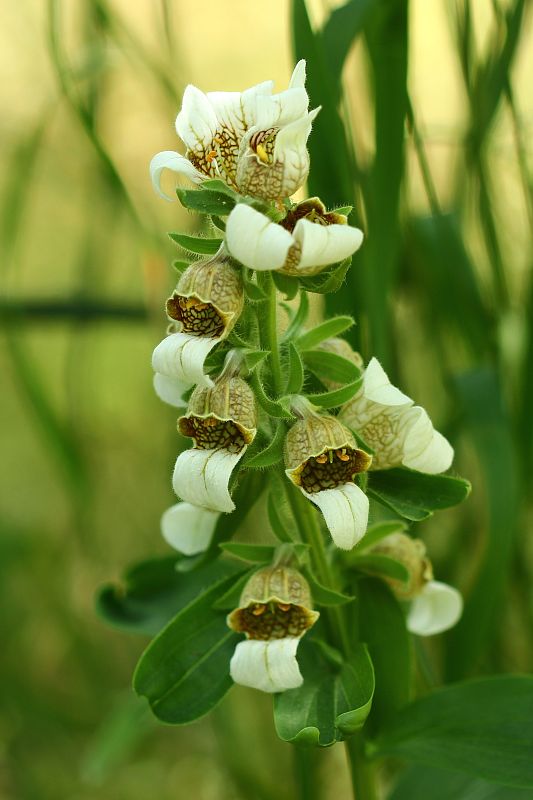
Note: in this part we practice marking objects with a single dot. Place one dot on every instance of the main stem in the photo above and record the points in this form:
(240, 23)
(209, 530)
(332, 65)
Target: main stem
(363, 785)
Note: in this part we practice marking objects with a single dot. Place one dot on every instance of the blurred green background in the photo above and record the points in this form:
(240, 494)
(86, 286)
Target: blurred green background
(437, 157)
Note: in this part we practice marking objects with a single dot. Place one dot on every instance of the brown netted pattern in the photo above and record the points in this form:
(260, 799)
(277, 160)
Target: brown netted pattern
(313, 210)
(210, 433)
(208, 298)
(272, 620)
(197, 318)
(332, 468)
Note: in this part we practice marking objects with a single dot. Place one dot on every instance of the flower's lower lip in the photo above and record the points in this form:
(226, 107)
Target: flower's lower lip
(211, 433)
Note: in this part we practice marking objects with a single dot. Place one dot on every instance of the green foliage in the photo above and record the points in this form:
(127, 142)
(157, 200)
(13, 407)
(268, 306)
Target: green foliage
(331, 704)
(326, 330)
(196, 244)
(416, 495)
(206, 201)
(336, 397)
(184, 672)
(331, 366)
(482, 727)
(153, 591)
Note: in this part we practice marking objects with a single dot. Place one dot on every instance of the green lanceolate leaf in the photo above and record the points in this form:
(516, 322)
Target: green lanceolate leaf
(332, 702)
(416, 495)
(286, 284)
(184, 672)
(420, 783)
(295, 370)
(482, 727)
(280, 528)
(216, 185)
(382, 627)
(378, 531)
(339, 33)
(379, 564)
(337, 397)
(323, 596)
(153, 592)
(196, 244)
(298, 319)
(326, 330)
(271, 455)
(252, 289)
(329, 281)
(231, 598)
(330, 366)
(180, 266)
(205, 201)
(263, 553)
(273, 408)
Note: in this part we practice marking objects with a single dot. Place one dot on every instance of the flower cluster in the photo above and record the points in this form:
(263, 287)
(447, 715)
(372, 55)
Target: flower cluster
(255, 142)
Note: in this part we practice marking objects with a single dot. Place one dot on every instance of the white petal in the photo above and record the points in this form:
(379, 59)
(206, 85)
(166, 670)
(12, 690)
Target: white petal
(293, 138)
(437, 608)
(168, 159)
(196, 124)
(345, 511)
(268, 666)
(170, 390)
(424, 448)
(325, 244)
(281, 109)
(182, 356)
(187, 528)
(297, 80)
(255, 241)
(201, 477)
(236, 110)
(379, 389)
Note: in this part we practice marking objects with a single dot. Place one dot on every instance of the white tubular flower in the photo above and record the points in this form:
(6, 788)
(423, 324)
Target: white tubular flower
(213, 127)
(322, 459)
(187, 528)
(434, 606)
(437, 608)
(222, 422)
(274, 612)
(201, 477)
(182, 357)
(308, 240)
(170, 390)
(205, 305)
(399, 432)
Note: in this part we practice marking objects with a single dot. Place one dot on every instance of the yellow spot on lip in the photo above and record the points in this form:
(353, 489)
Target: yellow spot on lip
(210, 156)
(284, 606)
(321, 459)
(258, 610)
(342, 455)
(262, 153)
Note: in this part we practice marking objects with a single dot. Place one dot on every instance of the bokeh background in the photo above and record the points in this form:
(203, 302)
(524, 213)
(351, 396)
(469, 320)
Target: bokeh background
(438, 160)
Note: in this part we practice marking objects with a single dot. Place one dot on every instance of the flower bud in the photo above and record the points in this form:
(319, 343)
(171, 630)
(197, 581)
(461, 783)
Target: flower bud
(321, 453)
(412, 554)
(224, 416)
(274, 604)
(208, 299)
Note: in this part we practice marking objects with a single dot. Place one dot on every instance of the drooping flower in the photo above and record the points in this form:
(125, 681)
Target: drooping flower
(434, 606)
(204, 307)
(304, 243)
(275, 611)
(170, 390)
(399, 432)
(255, 141)
(322, 459)
(222, 422)
(187, 528)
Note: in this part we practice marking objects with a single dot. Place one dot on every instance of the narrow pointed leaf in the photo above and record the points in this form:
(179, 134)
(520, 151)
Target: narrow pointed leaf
(196, 244)
(326, 330)
(416, 495)
(337, 397)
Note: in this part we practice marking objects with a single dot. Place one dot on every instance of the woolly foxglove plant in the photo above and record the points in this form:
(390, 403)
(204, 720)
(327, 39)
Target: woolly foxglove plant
(286, 412)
